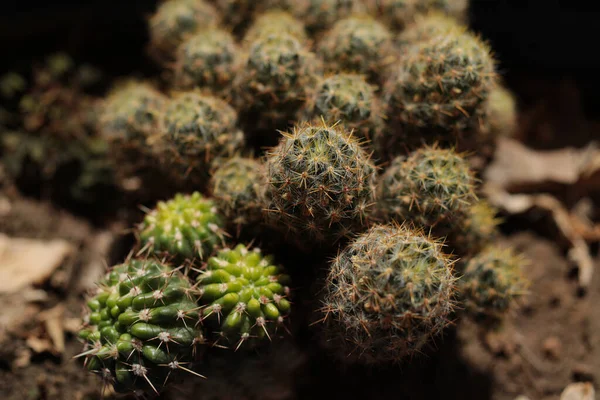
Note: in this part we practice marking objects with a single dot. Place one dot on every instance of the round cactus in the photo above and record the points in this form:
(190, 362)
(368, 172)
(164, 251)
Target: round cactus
(319, 15)
(349, 99)
(244, 295)
(500, 114)
(438, 89)
(174, 21)
(275, 21)
(431, 186)
(142, 326)
(235, 13)
(274, 79)
(387, 294)
(475, 228)
(492, 282)
(185, 228)
(357, 44)
(237, 190)
(399, 14)
(320, 181)
(207, 60)
(425, 27)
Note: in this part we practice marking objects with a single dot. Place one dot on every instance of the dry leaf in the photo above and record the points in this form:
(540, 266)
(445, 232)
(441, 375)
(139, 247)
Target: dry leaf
(578, 391)
(53, 322)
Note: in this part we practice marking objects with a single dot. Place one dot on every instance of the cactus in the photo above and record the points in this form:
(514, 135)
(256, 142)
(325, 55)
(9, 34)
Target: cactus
(431, 186)
(207, 60)
(236, 13)
(176, 20)
(274, 79)
(187, 227)
(349, 99)
(320, 181)
(244, 295)
(357, 44)
(141, 326)
(500, 114)
(438, 89)
(492, 282)
(387, 294)
(426, 26)
(273, 22)
(399, 14)
(237, 189)
(475, 228)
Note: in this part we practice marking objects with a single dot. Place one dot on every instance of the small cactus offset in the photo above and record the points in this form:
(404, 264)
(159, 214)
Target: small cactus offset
(500, 114)
(357, 44)
(430, 186)
(237, 188)
(186, 227)
(475, 228)
(275, 21)
(320, 182)
(387, 295)
(142, 326)
(207, 60)
(492, 282)
(349, 99)
(244, 296)
(176, 20)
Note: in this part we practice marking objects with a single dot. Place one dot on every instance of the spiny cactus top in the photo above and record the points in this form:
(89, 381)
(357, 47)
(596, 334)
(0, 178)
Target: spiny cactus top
(244, 295)
(475, 228)
(207, 60)
(275, 21)
(430, 186)
(237, 187)
(492, 281)
(427, 26)
(319, 15)
(439, 87)
(320, 182)
(400, 13)
(176, 20)
(357, 44)
(387, 294)
(236, 12)
(185, 227)
(142, 325)
(349, 99)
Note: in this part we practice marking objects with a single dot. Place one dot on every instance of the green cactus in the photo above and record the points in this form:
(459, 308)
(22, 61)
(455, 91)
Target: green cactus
(399, 14)
(207, 60)
(276, 21)
(174, 21)
(187, 227)
(492, 282)
(244, 295)
(431, 186)
(274, 80)
(357, 44)
(426, 26)
(142, 326)
(475, 228)
(349, 99)
(438, 89)
(500, 114)
(319, 15)
(387, 294)
(237, 189)
(320, 181)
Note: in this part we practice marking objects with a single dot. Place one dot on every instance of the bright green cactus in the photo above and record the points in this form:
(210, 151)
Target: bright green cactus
(320, 181)
(275, 21)
(357, 44)
(492, 282)
(244, 295)
(174, 21)
(431, 186)
(207, 60)
(319, 15)
(349, 99)
(387, 295)
(186, 227)
(142, 326)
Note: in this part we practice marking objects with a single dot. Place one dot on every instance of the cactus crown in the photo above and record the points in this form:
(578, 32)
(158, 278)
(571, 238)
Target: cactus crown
(387, 294)
(427, 26)
(320, 14)
(274, 22)
(244, 294)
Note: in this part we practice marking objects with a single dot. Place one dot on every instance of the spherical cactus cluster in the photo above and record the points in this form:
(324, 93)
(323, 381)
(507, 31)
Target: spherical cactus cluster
(244, 295)
(492, 281)
(320, 182)
(349, 99)
(387, 294)
(430, 186)
(186, 227)
(142, 326)
(274, 22)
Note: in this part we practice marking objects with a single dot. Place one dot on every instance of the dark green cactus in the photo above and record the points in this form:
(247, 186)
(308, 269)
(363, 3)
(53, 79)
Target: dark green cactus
(244, 295)
(492, 282)
(387, 295)
(349, 99)
(142, 326)
(431, 186)
(320, 182)
(275, 21)
(187, 227)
